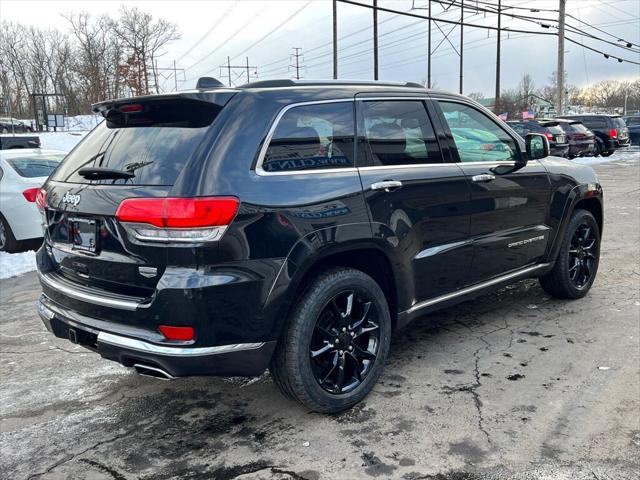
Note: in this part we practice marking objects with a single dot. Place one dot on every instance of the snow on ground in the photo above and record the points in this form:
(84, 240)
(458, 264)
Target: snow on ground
(12, 264)
(18, 263)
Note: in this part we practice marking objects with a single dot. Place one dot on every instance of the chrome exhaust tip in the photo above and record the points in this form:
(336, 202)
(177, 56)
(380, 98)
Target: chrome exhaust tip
(149, 371)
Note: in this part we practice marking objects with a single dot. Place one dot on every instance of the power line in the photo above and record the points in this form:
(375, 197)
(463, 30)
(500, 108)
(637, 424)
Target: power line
(208, 32)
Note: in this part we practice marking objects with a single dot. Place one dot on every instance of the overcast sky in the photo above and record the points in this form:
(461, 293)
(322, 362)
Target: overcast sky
(213, 30)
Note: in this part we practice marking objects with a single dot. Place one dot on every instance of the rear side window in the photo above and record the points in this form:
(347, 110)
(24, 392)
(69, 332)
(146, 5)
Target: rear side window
(154, 143)
(40, 166)
(399, 132)
(311, 137)
(632, 121)
(595, 122)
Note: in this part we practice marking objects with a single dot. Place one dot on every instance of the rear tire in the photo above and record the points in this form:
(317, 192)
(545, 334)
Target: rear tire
(8, 242)
(607, 153)
(577, 264)
(598, 149)
(334, 346)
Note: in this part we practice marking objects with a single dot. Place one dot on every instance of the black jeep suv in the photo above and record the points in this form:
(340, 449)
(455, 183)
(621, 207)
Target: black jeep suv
(296, 225)
(610, 130)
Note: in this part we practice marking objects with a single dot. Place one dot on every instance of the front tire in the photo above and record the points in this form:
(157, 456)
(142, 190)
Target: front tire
(333, 349)
(577, 264)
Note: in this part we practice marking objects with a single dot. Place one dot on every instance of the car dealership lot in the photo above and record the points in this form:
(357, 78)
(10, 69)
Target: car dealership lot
(512, 385)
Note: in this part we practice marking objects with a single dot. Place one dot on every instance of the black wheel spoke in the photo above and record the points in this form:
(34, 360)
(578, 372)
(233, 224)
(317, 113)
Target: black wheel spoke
(340, 379)
(329, 336)
(336, 311)
(328, 347)
(331, 370)
(357, 370)
(349, 309)
(369, 328)
(365, 312)
(365, 354)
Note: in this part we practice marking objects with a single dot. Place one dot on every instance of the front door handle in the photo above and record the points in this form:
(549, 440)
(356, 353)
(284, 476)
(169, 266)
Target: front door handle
(483, 178)
(387, 185)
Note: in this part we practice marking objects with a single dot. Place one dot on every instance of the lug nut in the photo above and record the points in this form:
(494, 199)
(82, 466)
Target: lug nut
(341, 352)
(344, 329)
(350, 348)
(353, 334)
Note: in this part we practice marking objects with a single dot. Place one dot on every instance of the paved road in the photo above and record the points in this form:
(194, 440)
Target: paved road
(513, 385)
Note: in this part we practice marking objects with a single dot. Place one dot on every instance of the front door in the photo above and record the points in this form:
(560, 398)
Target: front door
(509, 202)
(416, 200)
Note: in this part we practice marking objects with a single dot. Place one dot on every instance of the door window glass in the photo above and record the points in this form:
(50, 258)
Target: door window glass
(399, 133)
(477, 137)
(312, 137)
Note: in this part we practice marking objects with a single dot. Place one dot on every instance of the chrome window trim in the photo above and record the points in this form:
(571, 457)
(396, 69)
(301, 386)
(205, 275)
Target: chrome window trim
(142, 346)
(473, 288)
(263, 150)
(88, 297)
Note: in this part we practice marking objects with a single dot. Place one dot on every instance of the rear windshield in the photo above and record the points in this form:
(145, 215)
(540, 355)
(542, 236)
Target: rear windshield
(556, 129)
(618, 122)
(632, 121)
(40, 166)
(153, 144)
(578, 127)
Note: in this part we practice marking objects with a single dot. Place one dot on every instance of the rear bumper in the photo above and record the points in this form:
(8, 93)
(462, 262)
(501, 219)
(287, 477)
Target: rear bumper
(559, 150)
(128, 346)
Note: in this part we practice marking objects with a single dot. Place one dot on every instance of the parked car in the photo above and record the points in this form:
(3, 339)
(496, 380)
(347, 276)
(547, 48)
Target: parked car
(558, 142)
(13, 125)
(8, 142)
(633, 125)
(22, 173)
(581, 140)
(226, 230)
(610, 131)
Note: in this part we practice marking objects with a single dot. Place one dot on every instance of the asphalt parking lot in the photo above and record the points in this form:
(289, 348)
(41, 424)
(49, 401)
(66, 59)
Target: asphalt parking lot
(512, 385)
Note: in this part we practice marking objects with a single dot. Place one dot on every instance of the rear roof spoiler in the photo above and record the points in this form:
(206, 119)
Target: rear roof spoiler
(219, 97)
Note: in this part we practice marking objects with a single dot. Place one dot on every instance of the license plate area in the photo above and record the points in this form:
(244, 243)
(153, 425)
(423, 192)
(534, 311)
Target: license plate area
(83, 234)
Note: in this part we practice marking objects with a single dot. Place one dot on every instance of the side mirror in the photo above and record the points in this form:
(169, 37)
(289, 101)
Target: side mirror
(537, 146)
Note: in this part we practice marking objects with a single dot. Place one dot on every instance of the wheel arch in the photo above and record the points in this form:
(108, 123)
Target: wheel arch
(364, 256)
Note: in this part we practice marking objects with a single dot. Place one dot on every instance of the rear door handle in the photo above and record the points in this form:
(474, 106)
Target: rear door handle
(386, 185)
(483, 178)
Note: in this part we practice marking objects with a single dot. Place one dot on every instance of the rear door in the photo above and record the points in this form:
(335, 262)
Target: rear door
(416, 200)
(152, 141)
(509, 205)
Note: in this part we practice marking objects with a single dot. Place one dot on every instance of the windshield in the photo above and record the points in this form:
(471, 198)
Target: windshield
(154, 144)
(32, 167)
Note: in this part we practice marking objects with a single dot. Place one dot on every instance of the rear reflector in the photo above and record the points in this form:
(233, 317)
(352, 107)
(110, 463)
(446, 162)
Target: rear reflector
(178, 219)
(177, 333)
(31, 194)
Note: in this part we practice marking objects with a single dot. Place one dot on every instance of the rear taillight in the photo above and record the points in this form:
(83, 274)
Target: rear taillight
(41, 199)
(31, 194)
(177, 219)
(613, 133)
(549, 135)
(177, 333)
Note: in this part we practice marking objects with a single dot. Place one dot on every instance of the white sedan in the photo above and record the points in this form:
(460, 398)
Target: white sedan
(22, 173)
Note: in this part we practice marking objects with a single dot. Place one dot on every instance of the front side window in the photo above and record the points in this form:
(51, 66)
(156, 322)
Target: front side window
(311, 137)
(477, 137)
(399, 132)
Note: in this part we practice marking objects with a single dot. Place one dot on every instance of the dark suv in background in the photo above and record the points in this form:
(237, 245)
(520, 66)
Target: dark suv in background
(633, 125)
(610, 130)
(558, 142)
(295, 226)
(582, 141)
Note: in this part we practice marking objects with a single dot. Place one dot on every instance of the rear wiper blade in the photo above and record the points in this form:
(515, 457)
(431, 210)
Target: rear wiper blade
(99, 173)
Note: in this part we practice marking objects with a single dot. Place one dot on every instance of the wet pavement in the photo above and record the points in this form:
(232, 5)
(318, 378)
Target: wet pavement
(511, 385)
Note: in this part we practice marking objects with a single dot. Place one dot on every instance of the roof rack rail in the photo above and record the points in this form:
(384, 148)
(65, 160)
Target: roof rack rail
(310, 83)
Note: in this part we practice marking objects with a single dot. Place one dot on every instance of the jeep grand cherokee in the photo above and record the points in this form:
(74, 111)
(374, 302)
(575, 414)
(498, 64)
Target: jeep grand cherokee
(294, 226)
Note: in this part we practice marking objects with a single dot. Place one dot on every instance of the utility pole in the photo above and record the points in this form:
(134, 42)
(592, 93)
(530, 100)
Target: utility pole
(461, 41)
(429, 50)
(496, 105)
(228, 67)
(335, 39)
(560, 71)
(297, 66)
(173, 69)
(375, 39)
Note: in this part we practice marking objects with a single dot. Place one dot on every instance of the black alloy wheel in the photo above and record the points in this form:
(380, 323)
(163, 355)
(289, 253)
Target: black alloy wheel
(575, 268)
(582, 255)
(345, 342)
